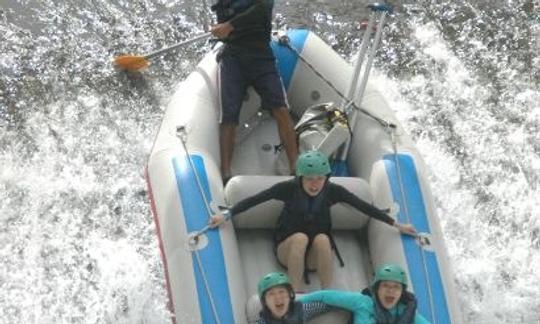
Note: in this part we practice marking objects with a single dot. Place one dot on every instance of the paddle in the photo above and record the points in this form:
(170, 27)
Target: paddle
(137, 62)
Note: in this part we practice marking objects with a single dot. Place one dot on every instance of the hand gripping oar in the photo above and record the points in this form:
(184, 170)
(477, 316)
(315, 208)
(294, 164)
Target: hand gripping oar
(137, 62)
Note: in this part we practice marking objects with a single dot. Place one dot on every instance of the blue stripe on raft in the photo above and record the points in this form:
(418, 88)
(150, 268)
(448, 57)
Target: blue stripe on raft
(340, 169)
(287, 59)
(196, 217)
(421, 275)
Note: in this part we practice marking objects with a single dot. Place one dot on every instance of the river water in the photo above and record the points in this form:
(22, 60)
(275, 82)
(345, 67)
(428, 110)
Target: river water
(77, 241)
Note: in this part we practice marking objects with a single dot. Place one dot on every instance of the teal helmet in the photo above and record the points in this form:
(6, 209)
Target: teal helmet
(390, 272)
(312, 163)
(272, 280)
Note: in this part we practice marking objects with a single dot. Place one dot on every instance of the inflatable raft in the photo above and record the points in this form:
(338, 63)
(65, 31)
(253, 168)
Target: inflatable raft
(210, 277)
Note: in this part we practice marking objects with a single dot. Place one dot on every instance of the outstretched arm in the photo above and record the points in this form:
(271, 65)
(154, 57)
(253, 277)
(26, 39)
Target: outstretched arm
(314, 309)
(279, 191)
(419, 319)
(344, 195)
(310, 310)
(354, 302)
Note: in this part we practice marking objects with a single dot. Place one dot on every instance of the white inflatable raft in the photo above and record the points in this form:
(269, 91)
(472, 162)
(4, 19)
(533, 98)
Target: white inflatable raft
(209, 280)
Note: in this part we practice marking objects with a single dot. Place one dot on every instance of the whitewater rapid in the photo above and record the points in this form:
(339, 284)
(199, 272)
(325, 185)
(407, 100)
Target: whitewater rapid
(77, 241)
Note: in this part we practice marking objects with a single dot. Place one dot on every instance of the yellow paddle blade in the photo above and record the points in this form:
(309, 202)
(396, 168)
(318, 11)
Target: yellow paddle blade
(131, 62)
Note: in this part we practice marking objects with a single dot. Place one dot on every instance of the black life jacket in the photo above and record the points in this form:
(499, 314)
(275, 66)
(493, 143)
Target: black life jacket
(309, 215)
(302, 213)
(294, 316)
(382, 316)
(226, 9)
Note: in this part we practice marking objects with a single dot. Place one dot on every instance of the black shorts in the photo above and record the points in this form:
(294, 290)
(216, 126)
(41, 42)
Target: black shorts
(237, 73)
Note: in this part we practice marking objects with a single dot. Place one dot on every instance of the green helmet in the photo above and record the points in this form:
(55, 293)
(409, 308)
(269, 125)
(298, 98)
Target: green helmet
(390, 272)
(271, 280)
(312, 163)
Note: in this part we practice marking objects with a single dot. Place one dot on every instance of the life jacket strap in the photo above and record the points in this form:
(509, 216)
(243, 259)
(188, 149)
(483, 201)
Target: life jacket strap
(334, 247)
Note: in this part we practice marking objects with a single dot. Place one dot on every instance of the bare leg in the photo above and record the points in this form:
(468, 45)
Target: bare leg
(320, 258)
(291, 253)
(227, 133)
(287, 135)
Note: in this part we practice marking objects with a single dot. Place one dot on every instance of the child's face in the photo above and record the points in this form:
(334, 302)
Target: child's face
(313, 184)
(277, 300)
(389, 293)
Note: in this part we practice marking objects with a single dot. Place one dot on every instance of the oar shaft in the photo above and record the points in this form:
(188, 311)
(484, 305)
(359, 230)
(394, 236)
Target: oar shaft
(381, 11)
(175, 46)
(367, 70)
(360, 60)
(372, 53)
(377, 9)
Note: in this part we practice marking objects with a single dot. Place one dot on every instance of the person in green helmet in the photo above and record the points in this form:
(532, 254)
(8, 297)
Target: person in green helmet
(386, 301)
(302, 239)
(278, 300)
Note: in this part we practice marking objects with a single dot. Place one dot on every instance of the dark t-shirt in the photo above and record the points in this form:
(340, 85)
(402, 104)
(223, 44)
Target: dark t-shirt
(252, 31)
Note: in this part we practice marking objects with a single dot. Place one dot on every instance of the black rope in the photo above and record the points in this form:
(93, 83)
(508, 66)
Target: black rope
(285, 41)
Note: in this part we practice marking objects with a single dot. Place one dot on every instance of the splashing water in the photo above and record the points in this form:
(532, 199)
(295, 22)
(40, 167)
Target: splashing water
(475, 116)
(77, 242)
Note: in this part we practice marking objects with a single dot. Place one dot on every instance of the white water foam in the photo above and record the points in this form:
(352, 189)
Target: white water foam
(77, 242)
(484, 178)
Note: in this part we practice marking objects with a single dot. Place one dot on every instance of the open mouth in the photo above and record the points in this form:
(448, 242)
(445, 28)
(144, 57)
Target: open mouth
(279, 309)
(313, 190)
(389, 299)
